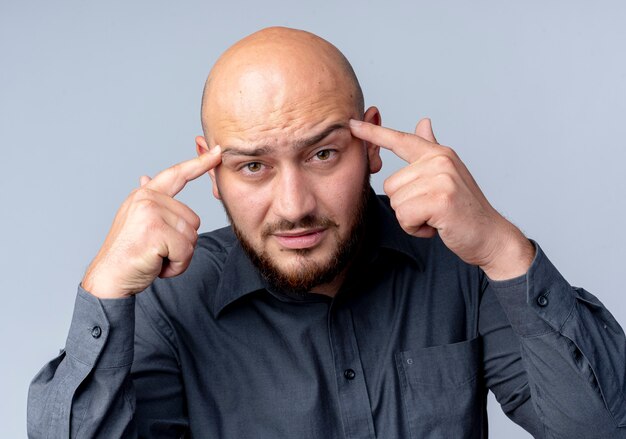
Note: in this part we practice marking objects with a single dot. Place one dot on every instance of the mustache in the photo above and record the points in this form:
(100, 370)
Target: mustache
(307, 222)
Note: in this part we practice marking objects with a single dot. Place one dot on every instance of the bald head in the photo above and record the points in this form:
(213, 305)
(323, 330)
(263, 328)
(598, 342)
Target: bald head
(274, 73)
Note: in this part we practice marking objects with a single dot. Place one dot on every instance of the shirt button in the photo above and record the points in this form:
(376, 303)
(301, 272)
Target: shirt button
(96, 332)
(349, 374)
(542, 300)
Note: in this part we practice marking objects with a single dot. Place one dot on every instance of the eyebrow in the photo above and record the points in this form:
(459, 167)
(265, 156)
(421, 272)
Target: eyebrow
(298, 144)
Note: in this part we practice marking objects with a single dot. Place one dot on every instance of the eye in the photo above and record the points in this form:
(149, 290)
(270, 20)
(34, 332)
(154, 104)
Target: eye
(324, 154)
(253, 167)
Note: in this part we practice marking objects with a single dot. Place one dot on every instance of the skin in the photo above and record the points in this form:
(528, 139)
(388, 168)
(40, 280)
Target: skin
(436, 193)
(149, 226)
(294, 144)
(288, 152)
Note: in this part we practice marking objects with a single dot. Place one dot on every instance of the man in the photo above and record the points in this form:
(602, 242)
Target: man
(324, 311)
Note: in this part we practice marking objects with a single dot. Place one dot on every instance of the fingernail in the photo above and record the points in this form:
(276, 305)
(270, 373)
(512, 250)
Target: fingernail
(215, 150)
(355, 123)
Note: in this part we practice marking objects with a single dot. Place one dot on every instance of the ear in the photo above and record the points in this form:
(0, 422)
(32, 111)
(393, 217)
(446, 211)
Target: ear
(202, 148)
(372, 115)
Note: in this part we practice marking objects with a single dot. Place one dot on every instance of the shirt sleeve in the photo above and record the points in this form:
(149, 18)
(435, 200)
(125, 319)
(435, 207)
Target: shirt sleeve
(573, 355)
(161, 410)
(75, 394)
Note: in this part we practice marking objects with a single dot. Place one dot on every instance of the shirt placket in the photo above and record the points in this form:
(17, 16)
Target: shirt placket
(354, 400)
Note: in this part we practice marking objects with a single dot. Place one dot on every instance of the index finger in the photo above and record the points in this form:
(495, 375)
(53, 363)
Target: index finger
(409, 147)
(172, 180)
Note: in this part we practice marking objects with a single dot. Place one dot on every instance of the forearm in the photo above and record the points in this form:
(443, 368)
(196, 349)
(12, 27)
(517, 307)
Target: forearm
(573, 353)
(86, 391)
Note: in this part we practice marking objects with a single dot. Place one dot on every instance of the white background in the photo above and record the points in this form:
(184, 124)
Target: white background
(93, 94)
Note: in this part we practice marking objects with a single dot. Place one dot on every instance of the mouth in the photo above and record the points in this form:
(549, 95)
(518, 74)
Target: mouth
(300, 239)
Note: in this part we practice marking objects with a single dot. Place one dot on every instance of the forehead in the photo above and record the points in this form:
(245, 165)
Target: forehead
(278, 122)
(337, 134)
(276, 101)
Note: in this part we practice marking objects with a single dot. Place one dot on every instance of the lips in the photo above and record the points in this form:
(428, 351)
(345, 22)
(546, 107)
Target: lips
(300, 239)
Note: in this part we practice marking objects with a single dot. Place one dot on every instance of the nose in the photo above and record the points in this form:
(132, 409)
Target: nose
(294, 197)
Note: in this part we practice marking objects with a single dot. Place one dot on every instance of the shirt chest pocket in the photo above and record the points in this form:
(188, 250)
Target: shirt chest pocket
(441, 390)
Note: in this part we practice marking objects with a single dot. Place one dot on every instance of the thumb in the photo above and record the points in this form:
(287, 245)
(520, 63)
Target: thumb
(144, 180)
(424, 129)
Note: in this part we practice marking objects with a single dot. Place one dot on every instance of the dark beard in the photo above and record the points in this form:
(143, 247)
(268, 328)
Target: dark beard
(309, 274)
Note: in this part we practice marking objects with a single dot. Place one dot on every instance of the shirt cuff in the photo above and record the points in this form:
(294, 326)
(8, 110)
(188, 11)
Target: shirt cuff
(537, 302)
(102, 331)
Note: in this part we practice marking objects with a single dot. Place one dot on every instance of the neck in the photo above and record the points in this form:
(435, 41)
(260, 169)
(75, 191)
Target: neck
(331, 288)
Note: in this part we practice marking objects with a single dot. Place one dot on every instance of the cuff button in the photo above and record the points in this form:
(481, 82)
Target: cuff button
(542, 301)
(96, 332)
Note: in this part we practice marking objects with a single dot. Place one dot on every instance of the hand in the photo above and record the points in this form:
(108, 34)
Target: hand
(152, 233)
(436, 193)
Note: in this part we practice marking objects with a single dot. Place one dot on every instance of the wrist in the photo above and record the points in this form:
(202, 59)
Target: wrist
(512, 257)
(102, 288)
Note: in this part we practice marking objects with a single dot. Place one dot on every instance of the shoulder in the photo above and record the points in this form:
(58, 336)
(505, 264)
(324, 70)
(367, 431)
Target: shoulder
(213, 246)
(194, 288)
(431, 255)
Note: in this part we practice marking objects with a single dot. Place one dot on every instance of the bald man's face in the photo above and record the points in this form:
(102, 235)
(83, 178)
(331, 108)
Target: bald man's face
(293, 179)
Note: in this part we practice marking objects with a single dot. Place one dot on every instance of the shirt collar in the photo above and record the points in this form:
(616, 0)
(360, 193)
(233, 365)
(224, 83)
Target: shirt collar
(240, 277)
(388, 234)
